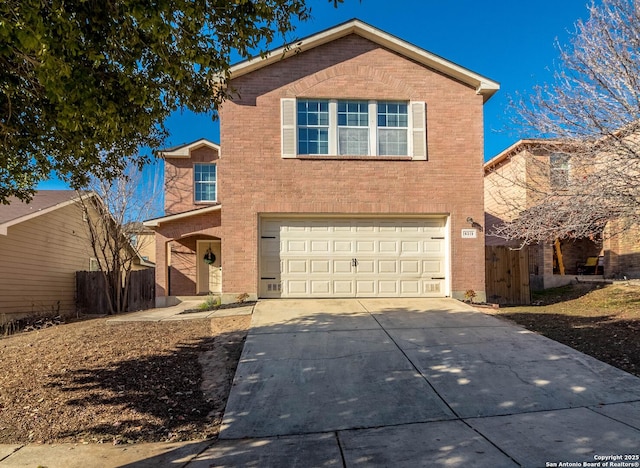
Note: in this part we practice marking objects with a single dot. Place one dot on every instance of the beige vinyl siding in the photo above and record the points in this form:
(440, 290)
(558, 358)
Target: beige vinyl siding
(146, 245)
(38, 261)
(505, 193)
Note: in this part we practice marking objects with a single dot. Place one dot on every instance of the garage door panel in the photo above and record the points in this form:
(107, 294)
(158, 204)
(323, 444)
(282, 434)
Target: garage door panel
(320, 266)
(433, 267)
(343, 287)
(315, 257)
(296, 287)
(320, 287)
(409, 247)
(388, 247)
(320, 246)
(343, 247)
(365, 247)
(410, 266)
(342, 267)
(409, 287)
(366, 266)
(296, 246)
(387, 267)
(366, 287)
(297, 267)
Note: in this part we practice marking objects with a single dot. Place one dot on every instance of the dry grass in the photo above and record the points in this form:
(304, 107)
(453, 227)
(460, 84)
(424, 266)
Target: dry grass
(603, 322)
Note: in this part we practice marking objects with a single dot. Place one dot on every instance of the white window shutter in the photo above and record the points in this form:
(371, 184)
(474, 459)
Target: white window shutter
(418, 130)
(288, 127)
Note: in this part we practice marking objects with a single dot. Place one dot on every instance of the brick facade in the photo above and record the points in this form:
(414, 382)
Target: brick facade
(258, 181)
(177, 239)
(178, 180)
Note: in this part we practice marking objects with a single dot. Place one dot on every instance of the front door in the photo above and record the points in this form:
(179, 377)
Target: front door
(209, 269)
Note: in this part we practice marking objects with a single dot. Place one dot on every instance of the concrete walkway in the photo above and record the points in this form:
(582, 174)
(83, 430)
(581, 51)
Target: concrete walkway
(402, 382)
(182, 311)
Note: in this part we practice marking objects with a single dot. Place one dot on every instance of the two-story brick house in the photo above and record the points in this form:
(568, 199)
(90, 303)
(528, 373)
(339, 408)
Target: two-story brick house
(522, 177)
(349, 166)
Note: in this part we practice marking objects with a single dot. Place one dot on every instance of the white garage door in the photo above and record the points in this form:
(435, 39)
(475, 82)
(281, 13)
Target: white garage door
(359, 257)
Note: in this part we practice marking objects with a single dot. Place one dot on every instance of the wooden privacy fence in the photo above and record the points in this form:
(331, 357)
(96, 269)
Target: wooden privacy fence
(91, 289)
(507, 275)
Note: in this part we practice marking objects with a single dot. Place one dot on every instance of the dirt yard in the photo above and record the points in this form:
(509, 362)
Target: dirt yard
(96, 382)
(603, 322)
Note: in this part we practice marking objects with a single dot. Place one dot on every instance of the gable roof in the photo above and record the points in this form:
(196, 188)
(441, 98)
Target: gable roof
(44, 201)
(549, 144)
(484, 86)
(184, 150)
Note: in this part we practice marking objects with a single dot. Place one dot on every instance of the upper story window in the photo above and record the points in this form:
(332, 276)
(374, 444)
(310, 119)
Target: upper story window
(353, 128)
(559, 170)
(314, 127)
(393, 128)
(205, 183)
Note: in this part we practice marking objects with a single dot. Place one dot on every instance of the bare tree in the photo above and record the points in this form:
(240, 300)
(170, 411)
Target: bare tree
(114, 211)
(590, 115)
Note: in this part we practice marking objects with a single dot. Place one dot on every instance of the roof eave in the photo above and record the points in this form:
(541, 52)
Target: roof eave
(4, 227)
(156, 222)
(184, 151)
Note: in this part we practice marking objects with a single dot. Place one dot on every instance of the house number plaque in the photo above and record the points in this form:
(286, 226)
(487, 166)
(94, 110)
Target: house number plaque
(469, 233)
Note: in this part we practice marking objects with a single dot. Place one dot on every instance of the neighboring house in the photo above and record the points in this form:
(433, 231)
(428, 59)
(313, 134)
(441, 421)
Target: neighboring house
(518, 179)
(349, 166)
(143, 239)
(42, 245)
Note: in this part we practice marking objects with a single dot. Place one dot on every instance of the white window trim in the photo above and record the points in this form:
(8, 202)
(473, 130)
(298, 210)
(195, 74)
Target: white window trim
(289, 130)
(195, 183)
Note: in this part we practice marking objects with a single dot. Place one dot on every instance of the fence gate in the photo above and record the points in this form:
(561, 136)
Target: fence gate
(142, 289)
(507, 275)
(91, 291)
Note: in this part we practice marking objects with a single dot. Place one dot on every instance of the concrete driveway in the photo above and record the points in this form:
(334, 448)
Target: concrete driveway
(417, 382)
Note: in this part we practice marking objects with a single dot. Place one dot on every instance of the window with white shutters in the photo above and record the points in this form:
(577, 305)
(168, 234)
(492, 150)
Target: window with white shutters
(329, 127)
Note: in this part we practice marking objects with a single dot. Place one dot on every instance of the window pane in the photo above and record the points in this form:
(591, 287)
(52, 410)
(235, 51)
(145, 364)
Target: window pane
(393, 114)
(205, 182)
(392, 142)
(353, 141)
(353, 113)
(313, 141)
(559, 170)
(313, 126)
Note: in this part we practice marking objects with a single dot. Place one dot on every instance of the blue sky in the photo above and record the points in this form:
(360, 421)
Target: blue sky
(509, 41)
